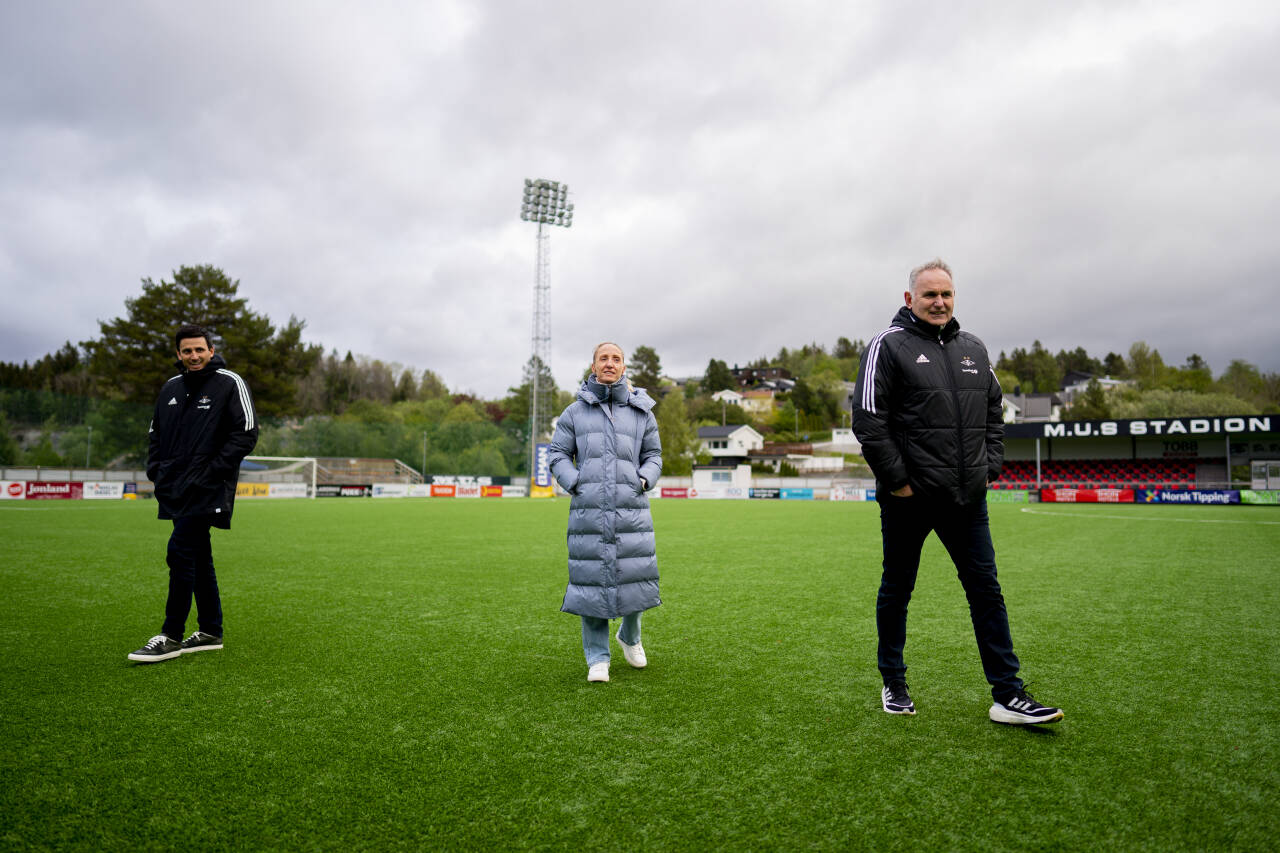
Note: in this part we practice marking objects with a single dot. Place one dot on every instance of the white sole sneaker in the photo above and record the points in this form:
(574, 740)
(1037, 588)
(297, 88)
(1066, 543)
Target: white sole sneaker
(633, 654)
(1002, 714)
(598, 671)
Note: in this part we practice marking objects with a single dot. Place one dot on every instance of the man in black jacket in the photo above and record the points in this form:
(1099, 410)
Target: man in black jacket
(204, 425)
(927, 409)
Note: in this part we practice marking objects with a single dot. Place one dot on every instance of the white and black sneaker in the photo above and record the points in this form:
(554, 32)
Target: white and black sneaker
(1022, 710)
(895, 699)
(158, 648)
(201, 642)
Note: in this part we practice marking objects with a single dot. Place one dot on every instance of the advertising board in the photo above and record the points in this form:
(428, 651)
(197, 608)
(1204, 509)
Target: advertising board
(98, 490)
(1189, 496)
(42, 491)
(13, 490)
(348, 491)
(1089, 496)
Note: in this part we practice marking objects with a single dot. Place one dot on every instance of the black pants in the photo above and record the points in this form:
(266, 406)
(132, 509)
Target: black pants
(191, 573)
(966, 534)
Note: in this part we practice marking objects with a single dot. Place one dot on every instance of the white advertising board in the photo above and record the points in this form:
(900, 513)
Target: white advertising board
(103, 491)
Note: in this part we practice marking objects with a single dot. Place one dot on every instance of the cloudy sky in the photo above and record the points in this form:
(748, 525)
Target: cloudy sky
(746, 175)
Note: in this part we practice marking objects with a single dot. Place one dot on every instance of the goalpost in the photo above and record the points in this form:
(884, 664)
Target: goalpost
(279, 476)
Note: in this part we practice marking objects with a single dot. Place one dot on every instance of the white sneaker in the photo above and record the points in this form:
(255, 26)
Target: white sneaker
(598, 671)
(633, 654)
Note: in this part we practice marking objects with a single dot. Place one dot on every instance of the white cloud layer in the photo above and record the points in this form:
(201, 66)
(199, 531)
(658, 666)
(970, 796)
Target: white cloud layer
(746, 176)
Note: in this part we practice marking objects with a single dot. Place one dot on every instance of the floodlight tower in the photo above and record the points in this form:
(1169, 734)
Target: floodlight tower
(546, 203)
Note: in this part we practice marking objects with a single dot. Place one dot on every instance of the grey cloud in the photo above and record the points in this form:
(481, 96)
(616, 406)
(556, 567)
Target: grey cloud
(746, 177)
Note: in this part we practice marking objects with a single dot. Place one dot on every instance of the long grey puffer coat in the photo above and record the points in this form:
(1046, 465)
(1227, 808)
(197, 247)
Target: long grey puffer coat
(605, 443)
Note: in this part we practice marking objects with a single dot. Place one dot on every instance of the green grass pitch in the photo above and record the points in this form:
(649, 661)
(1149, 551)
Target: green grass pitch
(397, 676)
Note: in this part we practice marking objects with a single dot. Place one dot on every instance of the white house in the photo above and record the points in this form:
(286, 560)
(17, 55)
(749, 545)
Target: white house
(734, 441)
(721, 481)
(728, 395)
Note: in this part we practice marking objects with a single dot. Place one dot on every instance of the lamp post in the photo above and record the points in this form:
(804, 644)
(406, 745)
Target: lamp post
(546, 203)
(88, 446)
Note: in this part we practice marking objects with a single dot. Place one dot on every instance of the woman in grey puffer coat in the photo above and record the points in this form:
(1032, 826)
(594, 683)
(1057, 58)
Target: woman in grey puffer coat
(606, 454)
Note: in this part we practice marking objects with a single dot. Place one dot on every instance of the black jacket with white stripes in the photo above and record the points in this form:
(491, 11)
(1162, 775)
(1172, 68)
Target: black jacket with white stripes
(927, 410)
(204, 425)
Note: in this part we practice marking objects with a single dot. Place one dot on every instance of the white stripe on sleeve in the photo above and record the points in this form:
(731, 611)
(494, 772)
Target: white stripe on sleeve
(245, 402)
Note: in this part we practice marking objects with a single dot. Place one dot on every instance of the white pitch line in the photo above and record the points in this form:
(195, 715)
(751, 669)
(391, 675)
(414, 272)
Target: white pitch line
(1142, 517)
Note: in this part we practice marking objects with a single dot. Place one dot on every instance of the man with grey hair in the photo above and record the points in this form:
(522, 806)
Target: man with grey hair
(927, 409)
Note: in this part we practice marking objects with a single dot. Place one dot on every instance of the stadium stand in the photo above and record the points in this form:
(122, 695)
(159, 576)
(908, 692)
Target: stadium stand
(341, 470)
(1105, 474)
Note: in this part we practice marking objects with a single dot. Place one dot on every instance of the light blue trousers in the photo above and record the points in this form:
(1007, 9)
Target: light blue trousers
(595, 635)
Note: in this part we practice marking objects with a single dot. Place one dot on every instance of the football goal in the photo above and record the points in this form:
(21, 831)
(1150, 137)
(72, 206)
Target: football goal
(278, 476)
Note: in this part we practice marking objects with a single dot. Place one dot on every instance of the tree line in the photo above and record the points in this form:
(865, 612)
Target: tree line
(89, 404)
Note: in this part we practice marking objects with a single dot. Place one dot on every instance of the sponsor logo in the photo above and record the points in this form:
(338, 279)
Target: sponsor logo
(922, 359)
(542, 465)
(46, 491)
(1152, 426)
(203, 402)
(1192, 496)
(16, 490)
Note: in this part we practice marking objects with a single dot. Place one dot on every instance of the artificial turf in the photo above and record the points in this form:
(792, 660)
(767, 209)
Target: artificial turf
(397, 676)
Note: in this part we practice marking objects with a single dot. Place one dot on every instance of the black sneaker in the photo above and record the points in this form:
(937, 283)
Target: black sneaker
(200, 641)
(895, 699)
(1021, 710)
(158, 648)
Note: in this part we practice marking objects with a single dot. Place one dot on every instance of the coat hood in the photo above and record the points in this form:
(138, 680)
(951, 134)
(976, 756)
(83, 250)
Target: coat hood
(906, 320)
(594, 393)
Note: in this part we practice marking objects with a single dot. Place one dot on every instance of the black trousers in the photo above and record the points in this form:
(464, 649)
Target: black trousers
(190, 560)
(966, 534)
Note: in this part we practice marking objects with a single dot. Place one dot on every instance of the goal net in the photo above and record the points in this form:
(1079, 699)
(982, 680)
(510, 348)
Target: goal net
(277, 477)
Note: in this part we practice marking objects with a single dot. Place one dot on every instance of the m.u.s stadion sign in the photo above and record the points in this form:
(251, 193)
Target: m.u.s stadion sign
(1215, 425)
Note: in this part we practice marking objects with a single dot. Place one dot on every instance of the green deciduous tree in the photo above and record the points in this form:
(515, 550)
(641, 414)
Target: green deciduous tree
(677, 436)
(1092, 404)
(1145, 365)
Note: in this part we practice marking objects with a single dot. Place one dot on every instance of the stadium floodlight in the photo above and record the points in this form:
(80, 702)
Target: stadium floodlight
(546, 203)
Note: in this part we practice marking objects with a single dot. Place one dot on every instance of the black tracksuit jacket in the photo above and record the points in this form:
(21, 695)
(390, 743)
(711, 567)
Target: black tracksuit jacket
(204, 425)
(927, 410)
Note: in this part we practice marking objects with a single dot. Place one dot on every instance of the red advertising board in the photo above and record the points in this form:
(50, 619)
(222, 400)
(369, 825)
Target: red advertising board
(443, 491)
(1087, 496)
(53, 491)
(680, 492)
(491, 491)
